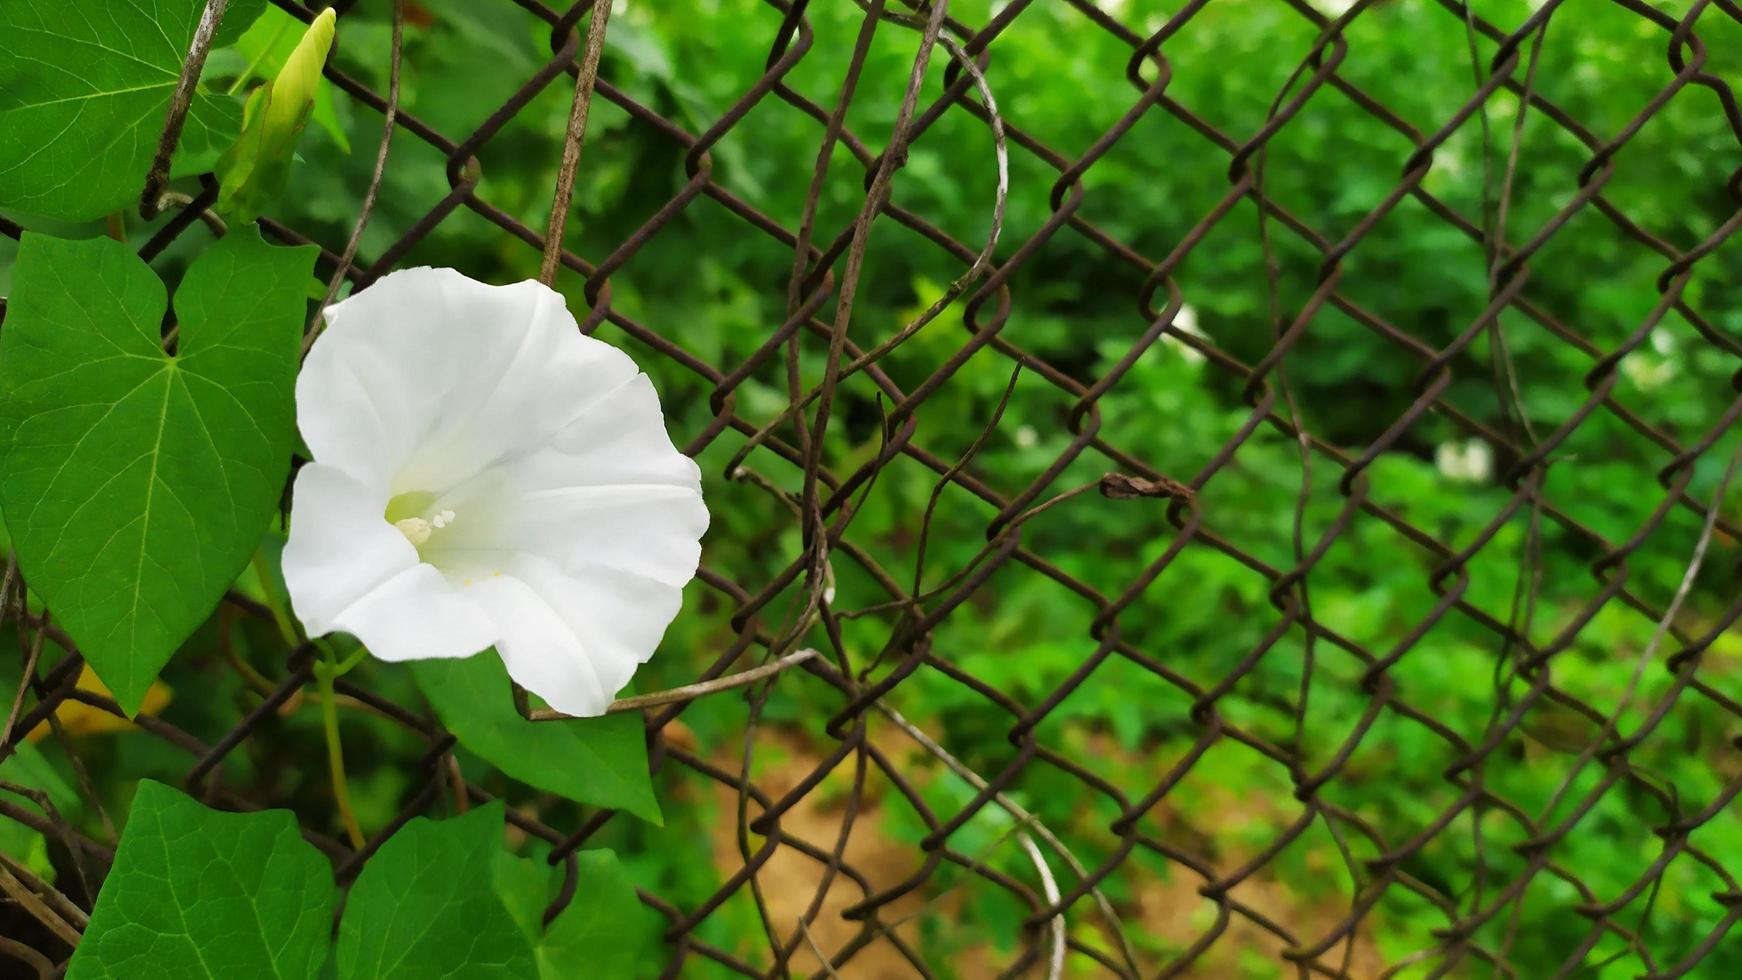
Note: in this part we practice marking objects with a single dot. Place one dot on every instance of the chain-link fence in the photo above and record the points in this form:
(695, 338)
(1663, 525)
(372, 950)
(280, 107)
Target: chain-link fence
(1167, 867)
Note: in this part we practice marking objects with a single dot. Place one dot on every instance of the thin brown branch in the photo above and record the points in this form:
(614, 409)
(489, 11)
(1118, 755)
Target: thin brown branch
(1690, 574)
(1055, 966)
(36, 961)
(38, 909)
(976, 270)
(689, 692)
(32, 657)
(828, 965)
(150, 203)
(55, 825)
(216, 225)
(62, 905)
(390, 119)
(577, 133)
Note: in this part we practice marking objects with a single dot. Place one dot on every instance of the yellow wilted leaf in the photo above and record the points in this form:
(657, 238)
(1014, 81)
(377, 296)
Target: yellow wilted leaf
(79, 718)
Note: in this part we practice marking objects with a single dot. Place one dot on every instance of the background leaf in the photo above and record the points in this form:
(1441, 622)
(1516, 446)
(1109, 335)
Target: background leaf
(84, 88)
(27, 766)
(137, 484)
(524, 886)
(421, 908)
(200, 893)
(602, 932)
(602, 761)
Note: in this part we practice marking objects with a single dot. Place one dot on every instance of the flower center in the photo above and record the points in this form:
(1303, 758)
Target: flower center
(416, 530)
(412, 515)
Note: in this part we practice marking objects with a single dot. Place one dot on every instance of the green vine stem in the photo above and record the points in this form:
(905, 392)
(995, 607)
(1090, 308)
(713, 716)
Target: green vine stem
(326, 670)
(274, 601)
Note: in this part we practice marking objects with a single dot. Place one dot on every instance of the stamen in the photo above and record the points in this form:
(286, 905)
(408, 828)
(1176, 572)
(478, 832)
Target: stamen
(416, 530)
(443, 519)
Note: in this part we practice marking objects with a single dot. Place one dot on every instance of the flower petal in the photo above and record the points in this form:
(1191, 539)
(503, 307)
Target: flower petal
(349, 570)
(417, 615)
(428, 377)
(574, 640)
(340, 547)
(618, 439)
(609, 492)
(650, 531)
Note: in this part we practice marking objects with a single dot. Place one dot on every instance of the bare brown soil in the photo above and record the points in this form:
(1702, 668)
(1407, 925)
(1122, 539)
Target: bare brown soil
(1169, 911)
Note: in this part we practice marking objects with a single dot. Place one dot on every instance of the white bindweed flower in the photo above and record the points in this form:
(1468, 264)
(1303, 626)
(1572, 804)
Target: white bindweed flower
(1648, 371)
(485, 474)
(1186, 321)
(1466, 462)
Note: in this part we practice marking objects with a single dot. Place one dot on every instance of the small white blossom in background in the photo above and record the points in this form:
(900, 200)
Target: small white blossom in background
(1026, 437)
(486, 475)
(1186, 321)
(1466, 462)
(1647, 371)
(1647, 374)
(1449, 161)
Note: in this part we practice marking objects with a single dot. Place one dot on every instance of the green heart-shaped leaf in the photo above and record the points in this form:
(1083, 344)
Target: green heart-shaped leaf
(201, 893)
(604, 931)
(136, 484)
(84, 89)
(424, 906)
(602, 761)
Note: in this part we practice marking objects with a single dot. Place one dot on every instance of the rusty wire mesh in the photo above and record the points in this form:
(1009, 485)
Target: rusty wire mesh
(1063, 896)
